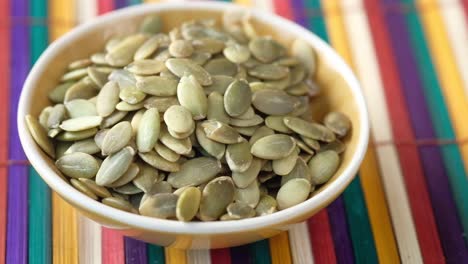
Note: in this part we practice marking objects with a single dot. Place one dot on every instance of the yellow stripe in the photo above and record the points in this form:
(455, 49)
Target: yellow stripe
(243, 2)
(279, 249)
(64, 219)
(370, 177)
(448, 73)
(175, 256)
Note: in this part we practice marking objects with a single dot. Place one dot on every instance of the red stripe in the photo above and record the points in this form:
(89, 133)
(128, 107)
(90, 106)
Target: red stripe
(410, 161)
(105, 6)
(221, 255)
(321, 238)
(4, 95)
(283, 8)
(112, 247)
(465, 6)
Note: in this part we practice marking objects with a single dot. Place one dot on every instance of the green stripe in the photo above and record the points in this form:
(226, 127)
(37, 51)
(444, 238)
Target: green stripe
(39, 214)
(439, 114)
(356, 211)
(260, 252)
(134, 2)
(155, 254)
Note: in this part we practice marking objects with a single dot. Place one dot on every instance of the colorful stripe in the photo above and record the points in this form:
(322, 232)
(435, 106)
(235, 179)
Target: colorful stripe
(17, 226)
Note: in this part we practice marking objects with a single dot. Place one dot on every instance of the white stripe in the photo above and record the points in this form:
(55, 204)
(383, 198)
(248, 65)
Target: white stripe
(201, 256)
(265, 5)
(455, 24)
(363, 52)
(85, 10)
(301, 249)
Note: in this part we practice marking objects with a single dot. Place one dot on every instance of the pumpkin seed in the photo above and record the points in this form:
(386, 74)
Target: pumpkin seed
(81, 123)
(148, 130)
(299, 171)
(337, 146)
(249, 195)
(180, 48)
(274, 102)
(127, 177)
(266, 49)
(112, 43)
(113, 119)
(261, 132)
(181, 135)
(298, 89)
(303, 52)
(199, 58)
(161, 187)
(216, 108)
(285, 165)
(53, 132)
(74, 75)
(114, 166)
(288, 61)
(107, 99)
(87, 146)
(124, 106)
(161, 103)
(80, 107)
(99, 58)
(83, 188)
(212, 147)
(303, 108)
(160, 205)
(151, 24)
(249, 114)
(297, 74)
(246, 131)
(78, 135)
(188, 204)
(116, 138)
(244, 179)
(269, 71)
(181, 67)
(179, 146)
(276, 123)
(238, 156)
(122, 54)
(314, 144)
(162, 55)
(293, 192)
(179, 119)
(338, 123)
(146, 178)
(256, 120)
(57, 95)
(99, 137)
(166, 152)
(96, 189)
(323, 165)
(237, 98)
(266, 205)
(123, 78)
(220, 132)
(220, 84)
(221, 66)
(237, 53)
(78, 165)
(148, 48)
(56, 116)
(118, 203)
(129, 189)
(153, 159)
(273, 147)
(98, 77)
(216, 196)
(239, 210)
(208, 45)
(310, 130)
(192, 97)
(78, 64)
(146, 67)
(40, 136)
(303, 146)
(280, 84)
(132, 95)
(194, 172)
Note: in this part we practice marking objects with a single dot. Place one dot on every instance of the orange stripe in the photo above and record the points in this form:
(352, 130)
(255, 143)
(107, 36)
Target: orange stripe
(279, 249)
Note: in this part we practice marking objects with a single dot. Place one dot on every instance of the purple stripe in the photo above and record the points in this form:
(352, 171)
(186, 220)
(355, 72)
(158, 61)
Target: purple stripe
(120, 3)
(135, 251)
(339, 228)
(240, 255)
(444, 208)
(299, 12)
(18, 175)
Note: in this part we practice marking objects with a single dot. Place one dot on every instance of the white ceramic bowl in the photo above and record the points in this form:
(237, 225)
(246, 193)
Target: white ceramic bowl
(341, 92)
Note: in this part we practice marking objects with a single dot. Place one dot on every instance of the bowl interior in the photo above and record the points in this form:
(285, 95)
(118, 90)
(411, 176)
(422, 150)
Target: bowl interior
(339, 88)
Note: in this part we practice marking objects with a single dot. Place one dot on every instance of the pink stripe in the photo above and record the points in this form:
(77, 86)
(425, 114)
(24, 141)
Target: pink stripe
(105, 6)
(222, 255)
(112, 247)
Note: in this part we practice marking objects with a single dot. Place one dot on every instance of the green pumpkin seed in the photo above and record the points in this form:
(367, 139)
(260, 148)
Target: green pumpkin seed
(238, 156)
(113, 119)
(161, 205)
(122, 54)
(151, 24)
(129, 189)
(220, 84)
(181, 67)
(180, 48)
(305, 157)
(194, 172)
(74, 75)
(83, 188)
(216, 196)
(162, 55)
(300, 170)
(153, 159)
(166, 153)
(78, 165)
(337, 146)
(61, 147)
(280, 84)
(312, 143)
(99, 58)
(57, 95)
(87, 146)
(123, 78)
(148, 48)
(124, 106)
(146, 67)
(220, 132)
(146, 178)
(273, 147)
(188, 204)
(269, 71)
(116, 138)
(199, 58)
(98, 77)
(118, 203)
(161, 103)
(192, 97)
(179, 146)
(293, 192)
(80, 107)
(302, 51)
(323, 166)
(266, 176)
(248, 28)
(266, 49)
(81, 123)
(208, 45)
(297, 74)
(221, 66)
(298, 89)
(53, 132)
(237, 98)
(96, 189)
(132, 95)
(161, 187)
(249, 114)
(114, 166)
(99, 137)
(78, 135)
(107, 99)
(337, 122)
(237, 53)
(148, 130)
(274, 102)
(239, 210)
(181, 135)
(288, 61)
(310, 130)
(244, 179)
(256, 120)
(112, 43)
(56, 116)
(303, 146)
(260, 133)
(127, 177)
(249, 195)
(40, 136)
(179, 119)
(257, 86)
(216, 108)
(267, 205)
(78, 64)
(246, 131)
(285, 165)
(302, 108)
(212, 147)
(276, 123)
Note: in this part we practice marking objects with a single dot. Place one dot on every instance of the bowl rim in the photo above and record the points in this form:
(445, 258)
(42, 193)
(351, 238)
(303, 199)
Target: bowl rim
(128, 220)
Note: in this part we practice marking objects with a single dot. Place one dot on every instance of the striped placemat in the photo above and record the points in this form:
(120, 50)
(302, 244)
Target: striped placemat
(409, 203)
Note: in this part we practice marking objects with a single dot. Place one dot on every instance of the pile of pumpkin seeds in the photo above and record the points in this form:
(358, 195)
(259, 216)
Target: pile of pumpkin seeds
(200, 123)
